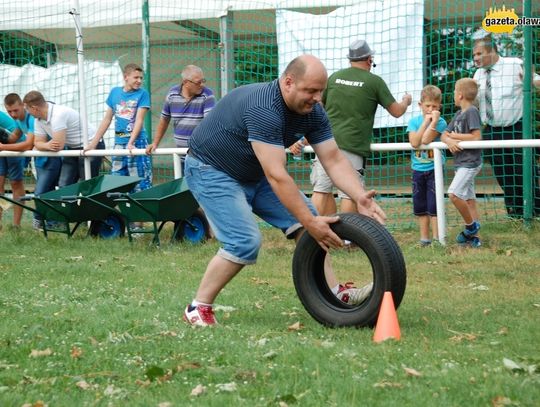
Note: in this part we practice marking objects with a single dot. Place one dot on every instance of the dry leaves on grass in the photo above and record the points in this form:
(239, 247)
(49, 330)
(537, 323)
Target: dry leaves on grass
(226, 387)
(259, 281)
(501, 401)
(40, 353)
(38, 403)
(76, 352)
(478, 287)
(462, 336)
(412, 372)
(83, 385)
(295, 327)
(198, 390)
(385, 383)
(520, 367)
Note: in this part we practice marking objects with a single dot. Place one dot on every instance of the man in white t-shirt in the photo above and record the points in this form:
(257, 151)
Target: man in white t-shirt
(500, 81)
(57, 128)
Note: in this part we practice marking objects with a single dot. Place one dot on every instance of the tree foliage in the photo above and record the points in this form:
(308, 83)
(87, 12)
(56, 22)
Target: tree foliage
(19, 51)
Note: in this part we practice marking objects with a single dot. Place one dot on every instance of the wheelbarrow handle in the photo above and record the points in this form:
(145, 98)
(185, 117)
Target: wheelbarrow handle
(70, 198)
(26, 198)
(116, 195)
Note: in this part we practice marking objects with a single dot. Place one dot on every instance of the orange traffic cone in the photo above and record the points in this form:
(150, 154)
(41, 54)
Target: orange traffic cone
(387, 323)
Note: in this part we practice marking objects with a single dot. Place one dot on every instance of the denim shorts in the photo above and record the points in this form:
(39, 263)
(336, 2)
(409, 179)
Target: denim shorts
(229, 206)
(423, 186)
(462, 185)
(13, 167)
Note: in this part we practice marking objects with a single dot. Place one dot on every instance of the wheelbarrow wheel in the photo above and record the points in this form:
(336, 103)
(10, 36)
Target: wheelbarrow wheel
(372, 258)
(194, 229)
(111, 227)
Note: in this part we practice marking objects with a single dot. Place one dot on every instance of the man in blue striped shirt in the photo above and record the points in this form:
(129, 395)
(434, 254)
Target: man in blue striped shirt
(186, 104)
(236, 166)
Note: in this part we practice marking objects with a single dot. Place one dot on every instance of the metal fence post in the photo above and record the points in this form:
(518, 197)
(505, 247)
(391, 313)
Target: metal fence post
(439, 194)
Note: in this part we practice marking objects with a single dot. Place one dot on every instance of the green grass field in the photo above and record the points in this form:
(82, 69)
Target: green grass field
(88, 322)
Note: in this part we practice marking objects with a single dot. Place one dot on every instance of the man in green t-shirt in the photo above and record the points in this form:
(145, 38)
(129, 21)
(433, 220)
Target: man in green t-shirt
(351, 99)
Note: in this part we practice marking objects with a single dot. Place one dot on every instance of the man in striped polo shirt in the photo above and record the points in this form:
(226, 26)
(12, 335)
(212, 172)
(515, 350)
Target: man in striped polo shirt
(186, 104)
(236, 166)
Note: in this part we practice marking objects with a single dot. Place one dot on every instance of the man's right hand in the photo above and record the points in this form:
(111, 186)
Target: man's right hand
(89, 146)
(150, 148)
(407, 99)
(319, 229)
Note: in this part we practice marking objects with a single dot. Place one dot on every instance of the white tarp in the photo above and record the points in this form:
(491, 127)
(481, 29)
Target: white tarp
(394, 33)
(60, 84)
(43, 14)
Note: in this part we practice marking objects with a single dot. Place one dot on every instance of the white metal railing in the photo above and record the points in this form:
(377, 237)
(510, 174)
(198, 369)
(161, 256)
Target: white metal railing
(435, 146)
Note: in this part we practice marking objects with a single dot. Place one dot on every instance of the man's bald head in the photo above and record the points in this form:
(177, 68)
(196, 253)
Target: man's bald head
(305, 64)
(302, 83)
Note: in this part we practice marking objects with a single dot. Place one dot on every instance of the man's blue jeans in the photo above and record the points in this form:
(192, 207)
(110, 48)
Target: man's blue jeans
(47, 177)
(229, 206)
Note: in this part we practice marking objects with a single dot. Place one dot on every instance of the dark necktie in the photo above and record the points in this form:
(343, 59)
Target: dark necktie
(489, 104)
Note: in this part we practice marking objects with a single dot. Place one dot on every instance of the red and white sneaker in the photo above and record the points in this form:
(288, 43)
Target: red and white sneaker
(201, 315)
(352, 295)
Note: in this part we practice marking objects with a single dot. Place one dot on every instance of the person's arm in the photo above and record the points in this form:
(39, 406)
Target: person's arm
(273, 161)
(139, 121)
(431, 132)
(398, 109)
(345, 178)
(56, 143)
(103, 126)
(297, 147)
(535, 77)
(453, 145)
(160, 132)
(415, 137)
(25, 145)
(209, 104)
(472, 136)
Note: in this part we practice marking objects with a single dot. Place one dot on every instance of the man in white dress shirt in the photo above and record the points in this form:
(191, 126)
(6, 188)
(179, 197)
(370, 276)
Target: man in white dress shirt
(500, 95)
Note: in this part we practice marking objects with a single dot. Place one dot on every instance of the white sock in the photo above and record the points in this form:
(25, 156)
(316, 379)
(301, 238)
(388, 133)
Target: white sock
(335, 289)
(195, 303)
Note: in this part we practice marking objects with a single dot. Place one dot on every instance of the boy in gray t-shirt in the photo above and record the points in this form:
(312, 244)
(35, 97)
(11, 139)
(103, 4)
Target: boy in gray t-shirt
(465, 126)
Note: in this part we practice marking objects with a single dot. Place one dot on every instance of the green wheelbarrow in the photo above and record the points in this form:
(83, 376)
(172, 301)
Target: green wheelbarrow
(82, 202)
(168, 202)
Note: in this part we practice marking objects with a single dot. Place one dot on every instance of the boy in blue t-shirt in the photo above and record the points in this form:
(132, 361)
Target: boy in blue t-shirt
(11, 167)
(128, 105)
(423, 130)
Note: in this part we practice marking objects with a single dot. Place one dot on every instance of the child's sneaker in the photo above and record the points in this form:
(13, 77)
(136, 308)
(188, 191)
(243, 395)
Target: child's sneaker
(37, 224)
(352, 295)
(201, 315)
(461, 238)
(473, 231)
(475, 241)
(468, 233)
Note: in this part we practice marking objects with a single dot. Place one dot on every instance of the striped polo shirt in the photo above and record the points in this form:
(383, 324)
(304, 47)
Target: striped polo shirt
(255, 112)
(186, 115)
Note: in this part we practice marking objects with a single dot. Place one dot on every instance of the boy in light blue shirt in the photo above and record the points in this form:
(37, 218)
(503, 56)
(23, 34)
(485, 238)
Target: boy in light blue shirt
(423, 130)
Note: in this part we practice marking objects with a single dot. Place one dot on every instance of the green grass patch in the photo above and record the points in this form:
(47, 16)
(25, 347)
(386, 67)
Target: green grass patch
(88, 322)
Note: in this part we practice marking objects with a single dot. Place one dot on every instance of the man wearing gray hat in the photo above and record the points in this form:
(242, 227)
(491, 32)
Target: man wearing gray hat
(351, 99)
